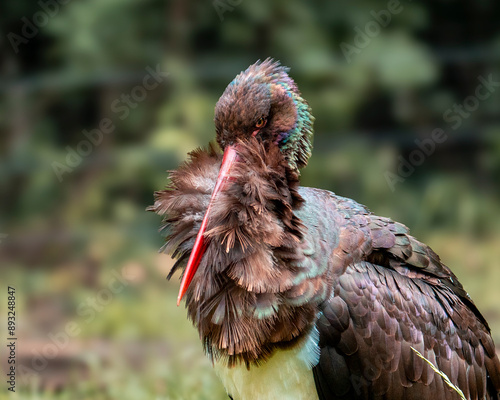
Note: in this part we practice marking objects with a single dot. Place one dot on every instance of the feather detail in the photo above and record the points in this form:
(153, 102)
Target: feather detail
(245, 278)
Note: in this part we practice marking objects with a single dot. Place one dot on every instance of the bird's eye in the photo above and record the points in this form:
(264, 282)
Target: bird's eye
(261, 122)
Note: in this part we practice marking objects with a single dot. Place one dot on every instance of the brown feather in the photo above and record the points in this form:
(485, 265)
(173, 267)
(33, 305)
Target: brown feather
(279, 256)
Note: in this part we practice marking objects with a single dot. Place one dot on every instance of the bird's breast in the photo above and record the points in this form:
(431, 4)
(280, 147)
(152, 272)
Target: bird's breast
(286, 375)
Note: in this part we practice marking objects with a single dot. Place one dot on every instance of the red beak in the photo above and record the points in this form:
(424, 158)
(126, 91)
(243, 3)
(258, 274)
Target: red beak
(200, 244)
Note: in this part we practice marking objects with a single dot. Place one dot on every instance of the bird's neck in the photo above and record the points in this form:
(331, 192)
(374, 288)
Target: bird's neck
(236, 299)
(253, 235)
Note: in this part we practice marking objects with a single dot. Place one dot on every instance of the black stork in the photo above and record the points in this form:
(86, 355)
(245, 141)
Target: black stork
(298, 293)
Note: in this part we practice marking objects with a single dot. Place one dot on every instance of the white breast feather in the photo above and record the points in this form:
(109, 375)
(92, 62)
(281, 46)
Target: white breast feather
(287, 375)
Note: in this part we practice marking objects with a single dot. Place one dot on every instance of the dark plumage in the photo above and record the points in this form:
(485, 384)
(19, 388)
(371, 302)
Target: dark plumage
(279, 262)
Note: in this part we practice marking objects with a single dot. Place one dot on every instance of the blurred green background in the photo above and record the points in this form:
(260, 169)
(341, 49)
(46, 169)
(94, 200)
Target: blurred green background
(96, 317)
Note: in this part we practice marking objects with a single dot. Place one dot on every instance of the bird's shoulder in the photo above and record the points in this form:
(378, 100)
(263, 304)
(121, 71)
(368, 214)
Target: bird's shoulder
(391, 292)
(354, 234)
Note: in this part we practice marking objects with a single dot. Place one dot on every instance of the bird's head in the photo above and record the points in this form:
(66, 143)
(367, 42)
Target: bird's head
(262, 104)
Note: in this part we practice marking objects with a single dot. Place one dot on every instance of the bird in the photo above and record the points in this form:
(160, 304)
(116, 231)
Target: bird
(299, 293)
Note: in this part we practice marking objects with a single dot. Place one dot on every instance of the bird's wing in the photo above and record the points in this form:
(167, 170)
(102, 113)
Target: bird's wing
(391, 293)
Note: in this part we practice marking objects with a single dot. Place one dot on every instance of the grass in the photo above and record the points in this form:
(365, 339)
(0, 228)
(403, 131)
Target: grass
(440, 373)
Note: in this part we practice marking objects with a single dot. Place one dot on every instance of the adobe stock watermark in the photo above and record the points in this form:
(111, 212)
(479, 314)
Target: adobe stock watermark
(458, 112)
(454, 116)
(121, 107)
(31, 26)
(223, 6)
(87, 309)
(3, 236)
(381, 19)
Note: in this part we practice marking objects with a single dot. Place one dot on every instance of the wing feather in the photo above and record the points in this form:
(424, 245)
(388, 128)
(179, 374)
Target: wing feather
(391, 292)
